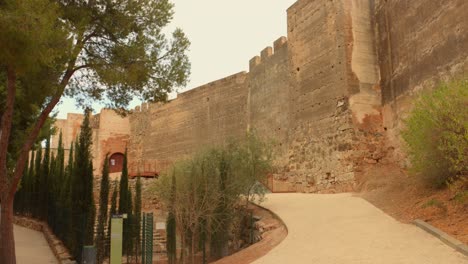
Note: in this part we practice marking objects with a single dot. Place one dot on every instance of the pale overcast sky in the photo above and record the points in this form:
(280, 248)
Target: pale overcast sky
(225, 35)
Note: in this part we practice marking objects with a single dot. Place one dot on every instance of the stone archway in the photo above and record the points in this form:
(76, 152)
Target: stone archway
(116, 162)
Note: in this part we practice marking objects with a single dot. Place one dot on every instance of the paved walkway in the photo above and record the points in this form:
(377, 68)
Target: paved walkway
(341, 228)
(32, 247)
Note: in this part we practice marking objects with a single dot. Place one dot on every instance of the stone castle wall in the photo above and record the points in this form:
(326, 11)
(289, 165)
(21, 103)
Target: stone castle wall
(303, 93)
(111, 133)
(208, 115)
(332, 95)
(419, 43)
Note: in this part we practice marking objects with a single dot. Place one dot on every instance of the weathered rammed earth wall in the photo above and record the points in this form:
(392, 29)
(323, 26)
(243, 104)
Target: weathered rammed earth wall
(419, 43)
(332, 94)
(110, 134)
(308, 92)
(208, 115)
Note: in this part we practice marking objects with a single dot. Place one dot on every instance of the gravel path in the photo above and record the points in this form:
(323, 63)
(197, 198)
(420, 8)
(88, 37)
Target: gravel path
(32, 247)
(341, 228)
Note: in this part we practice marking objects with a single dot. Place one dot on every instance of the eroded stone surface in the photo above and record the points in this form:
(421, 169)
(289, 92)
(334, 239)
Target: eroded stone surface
(332, 95)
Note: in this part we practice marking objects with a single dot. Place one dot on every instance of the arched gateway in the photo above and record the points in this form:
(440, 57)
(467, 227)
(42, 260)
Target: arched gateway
(116, 162)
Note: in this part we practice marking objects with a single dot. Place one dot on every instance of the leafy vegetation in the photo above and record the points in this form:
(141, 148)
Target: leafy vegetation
(69, 209)
(107, 51)
(102, 217)
(62, 197)
(207, 195)
(437, 134)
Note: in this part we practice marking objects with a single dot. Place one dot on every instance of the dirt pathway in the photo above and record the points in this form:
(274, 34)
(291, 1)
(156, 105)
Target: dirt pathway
(32, 247)
(341, 228)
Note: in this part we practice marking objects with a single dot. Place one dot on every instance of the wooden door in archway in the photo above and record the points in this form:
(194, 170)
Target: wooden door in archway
(116, 162)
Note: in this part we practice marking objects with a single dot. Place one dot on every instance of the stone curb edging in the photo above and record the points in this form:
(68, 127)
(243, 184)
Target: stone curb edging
(444, 237)
(234, 258)
(274, 215)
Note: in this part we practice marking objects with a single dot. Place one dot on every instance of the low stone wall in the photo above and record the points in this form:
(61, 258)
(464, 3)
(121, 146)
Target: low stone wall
(59, 250)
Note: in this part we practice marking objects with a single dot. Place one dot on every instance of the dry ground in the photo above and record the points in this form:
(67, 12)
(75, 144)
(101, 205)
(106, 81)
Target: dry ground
(406, 198)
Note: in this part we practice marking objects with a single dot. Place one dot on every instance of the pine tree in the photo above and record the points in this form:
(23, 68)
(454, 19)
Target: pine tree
(113, 211)
(102, 218)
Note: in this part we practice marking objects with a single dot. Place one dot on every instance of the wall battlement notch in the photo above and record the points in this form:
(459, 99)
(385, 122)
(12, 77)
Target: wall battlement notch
(268, 52)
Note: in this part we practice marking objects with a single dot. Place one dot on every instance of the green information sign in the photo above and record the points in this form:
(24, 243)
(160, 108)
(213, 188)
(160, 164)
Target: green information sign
(116, 240)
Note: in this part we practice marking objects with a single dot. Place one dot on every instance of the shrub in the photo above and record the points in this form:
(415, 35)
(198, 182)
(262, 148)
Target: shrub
(206, 193)
(437, 134)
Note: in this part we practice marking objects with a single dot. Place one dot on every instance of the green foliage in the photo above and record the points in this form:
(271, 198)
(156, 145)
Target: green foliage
(123, 188)
(437, 133)
(81, 192)
(435, 203)
(107, 51)
(113, 211)
(124, 52)
(31, 36)
(102, 218)
(206, 192)
(171, 230)
(125, 207)
(44, 183)
(36, 189)
(137, 218)
(461, 197)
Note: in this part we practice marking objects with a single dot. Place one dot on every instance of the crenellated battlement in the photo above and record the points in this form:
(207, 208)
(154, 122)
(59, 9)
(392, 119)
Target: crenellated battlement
(315, 93)
(267, 52)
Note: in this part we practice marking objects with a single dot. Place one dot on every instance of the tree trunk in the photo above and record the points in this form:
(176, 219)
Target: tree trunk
(7, 245)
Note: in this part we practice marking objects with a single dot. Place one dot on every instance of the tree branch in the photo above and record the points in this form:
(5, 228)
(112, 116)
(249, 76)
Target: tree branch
(24, 152)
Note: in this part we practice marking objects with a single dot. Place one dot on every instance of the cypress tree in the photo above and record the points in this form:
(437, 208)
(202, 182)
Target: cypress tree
(113, 211)
(91, 208)
(50, 190)
(59, 180)
(30, 193)
(20, 195)
(137, 217)
(124, 203)
(81, 191)
(123, 188)
(37, 176)
(60, 158)
(44, 184)
(171, 227)
(66, 224)
(128, 228)
(103, 204)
